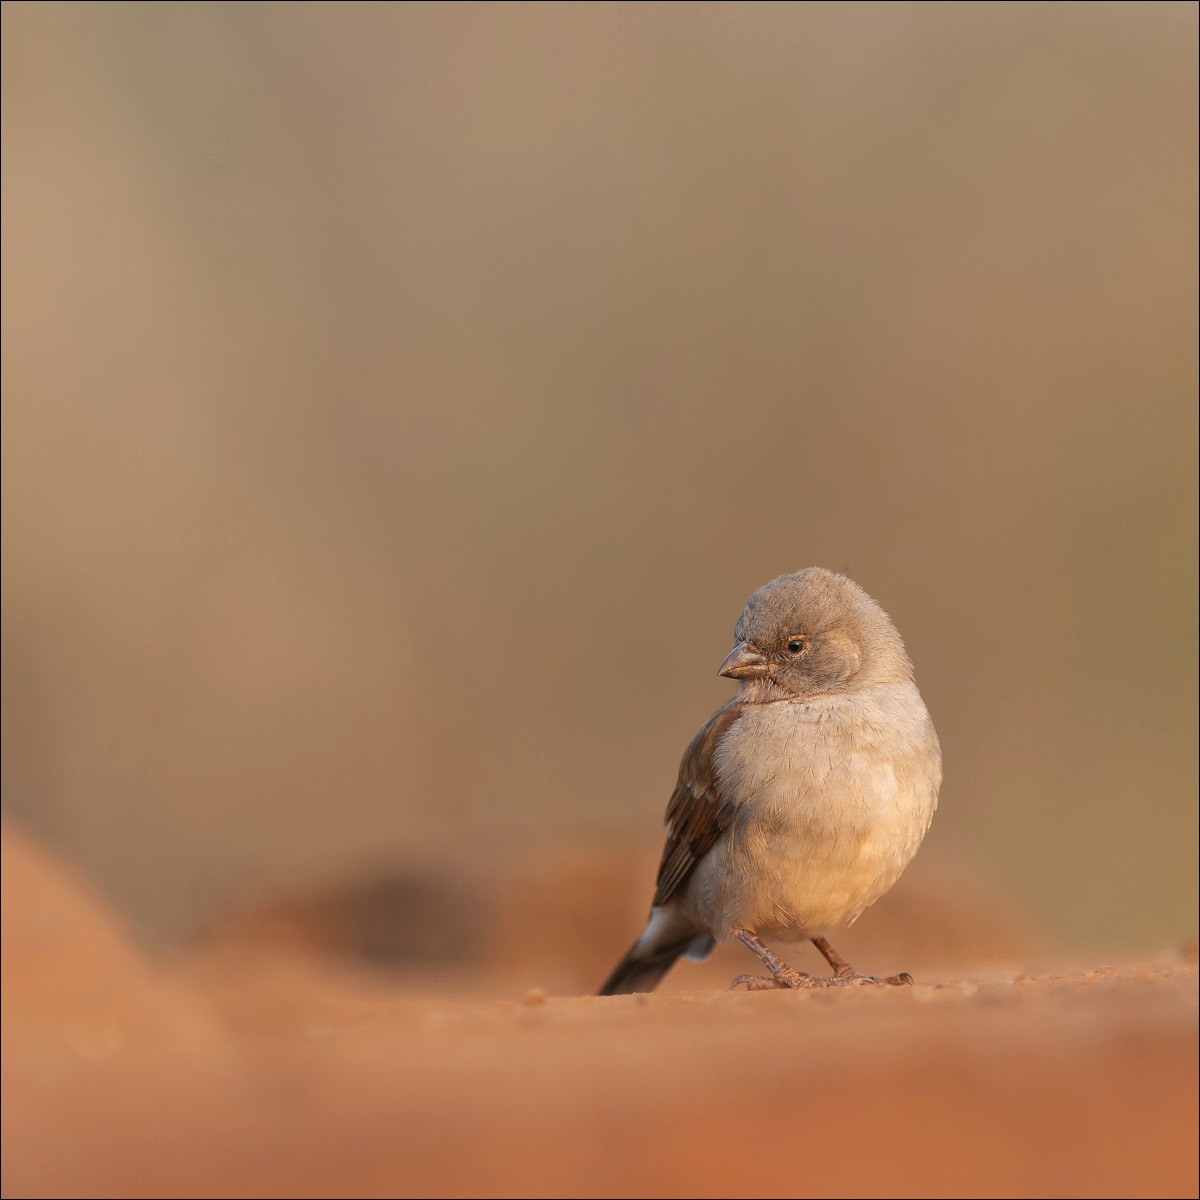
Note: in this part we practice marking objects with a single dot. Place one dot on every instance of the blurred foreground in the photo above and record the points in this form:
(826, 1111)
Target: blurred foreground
(280, 1072)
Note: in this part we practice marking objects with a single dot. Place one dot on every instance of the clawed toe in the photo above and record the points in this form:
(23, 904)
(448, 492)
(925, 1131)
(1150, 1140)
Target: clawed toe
(904, 979)
(785, 978)
(755, 983)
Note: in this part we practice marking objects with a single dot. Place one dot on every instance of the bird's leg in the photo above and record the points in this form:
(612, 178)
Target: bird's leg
(782, 976)
(843, 972)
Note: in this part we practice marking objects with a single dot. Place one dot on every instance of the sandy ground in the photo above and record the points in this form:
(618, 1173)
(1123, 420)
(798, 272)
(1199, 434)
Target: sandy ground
(238, 1072)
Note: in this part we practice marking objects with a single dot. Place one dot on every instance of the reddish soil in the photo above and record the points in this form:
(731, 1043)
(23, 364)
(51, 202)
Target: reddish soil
(238, 1072)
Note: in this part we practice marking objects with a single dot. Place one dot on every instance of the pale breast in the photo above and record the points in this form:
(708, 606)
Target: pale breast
(830, 800)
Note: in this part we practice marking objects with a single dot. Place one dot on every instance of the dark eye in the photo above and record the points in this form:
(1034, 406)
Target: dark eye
(797, 644)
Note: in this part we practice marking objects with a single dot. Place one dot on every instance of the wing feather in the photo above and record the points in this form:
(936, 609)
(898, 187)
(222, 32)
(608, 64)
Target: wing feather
(696, 813)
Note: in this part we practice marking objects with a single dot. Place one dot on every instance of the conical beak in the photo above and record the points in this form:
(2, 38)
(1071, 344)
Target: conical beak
(744, 663)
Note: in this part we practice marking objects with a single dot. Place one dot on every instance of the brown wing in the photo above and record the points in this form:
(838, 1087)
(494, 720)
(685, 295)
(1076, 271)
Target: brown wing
(696, 813)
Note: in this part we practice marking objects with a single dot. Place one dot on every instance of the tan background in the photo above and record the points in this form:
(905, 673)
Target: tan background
(400, 401)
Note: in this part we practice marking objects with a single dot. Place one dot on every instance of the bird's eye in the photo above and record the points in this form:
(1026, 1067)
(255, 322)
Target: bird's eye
(797, 645)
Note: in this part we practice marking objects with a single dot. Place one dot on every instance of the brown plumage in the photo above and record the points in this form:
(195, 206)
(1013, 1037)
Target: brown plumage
(695, 813)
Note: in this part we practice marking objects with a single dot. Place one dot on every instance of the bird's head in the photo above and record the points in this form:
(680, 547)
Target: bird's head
(810, 634)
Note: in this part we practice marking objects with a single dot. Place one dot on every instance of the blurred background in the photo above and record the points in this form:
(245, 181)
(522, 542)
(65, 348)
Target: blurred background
(400, 401)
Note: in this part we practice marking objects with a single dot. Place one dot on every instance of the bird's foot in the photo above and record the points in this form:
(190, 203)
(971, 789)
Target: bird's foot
(844, 973)
(783, 977)
(787, 978)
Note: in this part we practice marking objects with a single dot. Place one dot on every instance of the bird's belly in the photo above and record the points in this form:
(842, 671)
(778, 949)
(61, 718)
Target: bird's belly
(791, 876)
(826, 803)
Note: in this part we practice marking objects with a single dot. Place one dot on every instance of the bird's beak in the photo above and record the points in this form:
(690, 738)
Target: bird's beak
(744, 663)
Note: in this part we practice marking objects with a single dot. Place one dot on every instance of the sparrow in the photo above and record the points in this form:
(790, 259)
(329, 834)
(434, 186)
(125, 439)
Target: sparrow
(800, 801)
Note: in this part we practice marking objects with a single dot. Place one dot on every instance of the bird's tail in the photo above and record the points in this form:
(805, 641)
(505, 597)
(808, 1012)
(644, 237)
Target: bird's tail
(640, 969)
